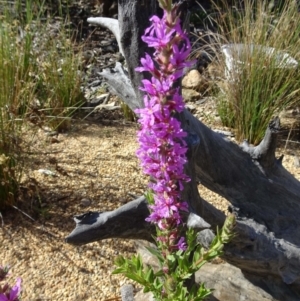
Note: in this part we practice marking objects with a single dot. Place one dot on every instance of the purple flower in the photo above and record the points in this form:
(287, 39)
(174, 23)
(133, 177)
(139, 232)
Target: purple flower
(158, 35)
(181, 245)
(179, 56)
(148, 64)
(157, 87)
(14, 293)
(162, 150)
(150, 113)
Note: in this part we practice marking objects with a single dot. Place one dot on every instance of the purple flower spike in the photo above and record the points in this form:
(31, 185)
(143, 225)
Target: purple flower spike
(162, 150)
(14, 293)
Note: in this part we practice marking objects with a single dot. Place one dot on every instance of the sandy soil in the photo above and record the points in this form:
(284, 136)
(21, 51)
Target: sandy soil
(94, 169)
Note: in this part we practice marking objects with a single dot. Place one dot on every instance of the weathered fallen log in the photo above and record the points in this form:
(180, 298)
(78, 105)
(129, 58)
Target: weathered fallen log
(264, 196)
(126, 221)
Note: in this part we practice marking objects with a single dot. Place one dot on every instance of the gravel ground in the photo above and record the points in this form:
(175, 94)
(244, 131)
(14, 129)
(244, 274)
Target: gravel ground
(94, 169)
(91, 165)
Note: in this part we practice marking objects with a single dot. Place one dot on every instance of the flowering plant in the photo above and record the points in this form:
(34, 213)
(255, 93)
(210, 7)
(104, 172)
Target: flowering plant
(162, 154)
(8, 293)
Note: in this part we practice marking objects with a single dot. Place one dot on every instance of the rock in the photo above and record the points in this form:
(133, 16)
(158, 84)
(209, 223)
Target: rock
(197, 222)
(47, 172)
(52, 133)
(53, 140)
(85, 202)
(230, 283)
(190, 95)
(127, 292)
(190, 107)
(205, 238)
(194, 80)
(227, 281)
(141, 248)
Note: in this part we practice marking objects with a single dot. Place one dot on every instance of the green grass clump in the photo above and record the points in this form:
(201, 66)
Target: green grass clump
(9, 180)
(59, 81)
(40, 82)
(128, 114)
(16, 91)
(259, 86)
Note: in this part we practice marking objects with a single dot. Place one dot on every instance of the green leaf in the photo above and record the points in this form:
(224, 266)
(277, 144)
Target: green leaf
(158, 283)
(171, 258)
(149, 275)
(156, 253)
(187, 276)
(119, 261)
(180, 253)
(180, 263)
(118, 271)
(185, 263)
(196, 256)
(211, 255)
(138, 263)
(183, 293)
(202, 293)
(149, 197)
(229, 224)
(170, 284)
(191, 236)
(146, 289)
(136, 278)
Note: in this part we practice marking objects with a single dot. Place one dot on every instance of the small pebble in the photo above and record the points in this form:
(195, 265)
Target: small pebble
(296, 161)
(85, 202)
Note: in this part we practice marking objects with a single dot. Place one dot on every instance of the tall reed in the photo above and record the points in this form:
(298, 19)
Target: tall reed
(263, 81)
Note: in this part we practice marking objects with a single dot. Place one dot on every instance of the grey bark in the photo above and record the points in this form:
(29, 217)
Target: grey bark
(264, 196)
(128, 221)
